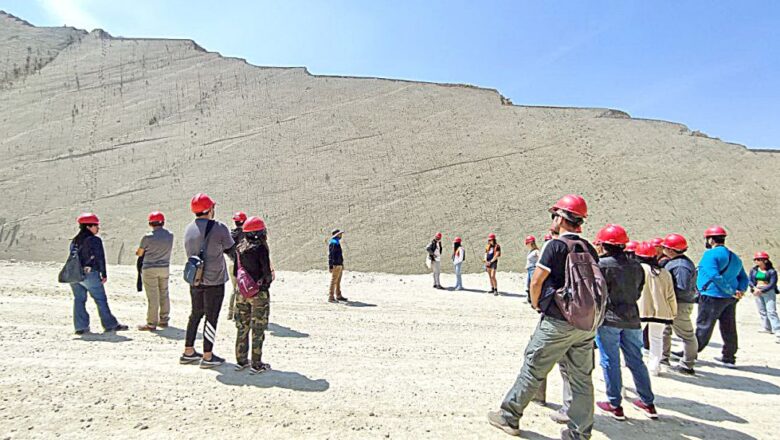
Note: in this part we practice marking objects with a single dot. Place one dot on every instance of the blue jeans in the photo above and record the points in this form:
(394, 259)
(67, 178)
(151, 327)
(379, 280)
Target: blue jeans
(95, 288)
(528, 280)
(458, 279)
(611, 341)
(767, 309)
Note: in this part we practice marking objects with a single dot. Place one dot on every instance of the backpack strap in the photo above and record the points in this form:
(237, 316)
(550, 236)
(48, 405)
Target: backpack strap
(572, 243)
(209, 227)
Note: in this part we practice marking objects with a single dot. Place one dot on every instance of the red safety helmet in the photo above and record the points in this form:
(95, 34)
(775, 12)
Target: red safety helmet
(201, 203)
(645, 249)
(631, 246)
(547, 237)
(491, 236)
(715, 231)
(88, 218)
(676, 242)
(761, 255)
(457, 240)
(572, 204)
(530, 239)
(438, 235)
(156, 217)
(657, 242)
(239, 216)
(254, 224)
(612, 234)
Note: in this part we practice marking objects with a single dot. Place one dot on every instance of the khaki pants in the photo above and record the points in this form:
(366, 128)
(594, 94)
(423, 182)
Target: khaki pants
(335, 282)
(234, 292)
(158, 308)
(683, 328)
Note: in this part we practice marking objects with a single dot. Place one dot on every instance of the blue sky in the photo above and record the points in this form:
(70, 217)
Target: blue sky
(712, 65)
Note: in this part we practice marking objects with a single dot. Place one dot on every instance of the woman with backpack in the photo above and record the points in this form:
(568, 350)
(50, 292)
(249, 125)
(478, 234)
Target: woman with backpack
(492, 254)
(658, 303)
(458, 256)
(93, 263)
(763, 285)
(254, 278)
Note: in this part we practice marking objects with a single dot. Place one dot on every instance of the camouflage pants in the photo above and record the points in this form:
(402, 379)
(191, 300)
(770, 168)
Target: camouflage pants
(251, 314)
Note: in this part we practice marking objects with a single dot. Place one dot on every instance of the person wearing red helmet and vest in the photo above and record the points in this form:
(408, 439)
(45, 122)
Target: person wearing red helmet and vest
(530, 263)
(458, 256)
(763, 286)
(155, 248)
(253, 256)
(434, 258)
(239, 217)
(684, 276)
(721, 282)
(208, 295)
(492, 254)
(621, 331)
(93, 262)
(555, 339)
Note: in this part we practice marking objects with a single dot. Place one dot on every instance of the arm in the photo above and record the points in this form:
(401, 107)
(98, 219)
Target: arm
(96, 245)
(772, 282)
(537, 281)
(742, 280)
(671, 298)
(331, 256)
(682, 278)
(752, 279)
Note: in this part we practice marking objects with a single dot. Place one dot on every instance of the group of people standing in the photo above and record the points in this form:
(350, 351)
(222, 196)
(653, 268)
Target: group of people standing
(490, 261)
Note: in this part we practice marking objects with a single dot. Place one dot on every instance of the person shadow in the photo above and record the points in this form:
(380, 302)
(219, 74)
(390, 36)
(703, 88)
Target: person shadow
(452, 289)
(697, 410)
(358, 304)
(727, 382)
(103, 337)
(285, 332)
(677, 429)
(290, 380)
(759, 369)
(174, 333)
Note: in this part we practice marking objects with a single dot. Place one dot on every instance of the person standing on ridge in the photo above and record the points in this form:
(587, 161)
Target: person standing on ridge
(555, 338)
(492, 254)
(253, 256)
(335, 266)
(214, 238)
(657, 305)
(458, 256)
(684, 276)
(155, 249)
(239, 217)
(763, 285)
(621, 331)
(434, 257)
(530, 263)
(93, 263)
(721, 282)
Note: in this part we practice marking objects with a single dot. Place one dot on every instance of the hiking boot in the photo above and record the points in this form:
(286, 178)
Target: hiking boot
(616, 412)
(726, 363)
(260, 368)
(215, 361)
(342, 298)
(559, 417)
(119, 328)
(495, 292)
(682, 369)
(648, 410)
(147, 328)
(241, 365)
(497, 419)
(190, 358)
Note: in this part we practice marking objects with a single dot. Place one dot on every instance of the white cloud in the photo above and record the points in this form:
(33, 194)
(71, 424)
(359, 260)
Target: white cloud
(71, 13)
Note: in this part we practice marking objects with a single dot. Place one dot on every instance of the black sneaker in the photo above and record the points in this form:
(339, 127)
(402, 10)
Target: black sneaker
(81, 332)
(666, 362)
(240, 366)
(190, 358)
(215, 361)
(725, 363)
(682, 369)
(677, 354)
(342, 298)
(119, 328)
(260, 368)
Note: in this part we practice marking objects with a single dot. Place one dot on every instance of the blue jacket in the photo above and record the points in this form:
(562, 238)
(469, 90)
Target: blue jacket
(772, 280)
(335, 257)
(710, 282)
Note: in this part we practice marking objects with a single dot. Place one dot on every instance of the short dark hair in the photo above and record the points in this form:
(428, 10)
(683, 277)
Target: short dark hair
(613, 249)
(719, 239)
(155, 224)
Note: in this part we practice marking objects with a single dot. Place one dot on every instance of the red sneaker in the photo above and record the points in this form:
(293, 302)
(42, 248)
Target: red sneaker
(648, 410)
(615, 411)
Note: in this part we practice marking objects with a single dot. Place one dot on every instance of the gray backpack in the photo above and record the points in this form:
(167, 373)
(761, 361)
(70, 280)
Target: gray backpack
(583, 298)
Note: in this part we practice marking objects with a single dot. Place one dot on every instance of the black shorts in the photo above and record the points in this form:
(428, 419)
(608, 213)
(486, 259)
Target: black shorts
(493, 265)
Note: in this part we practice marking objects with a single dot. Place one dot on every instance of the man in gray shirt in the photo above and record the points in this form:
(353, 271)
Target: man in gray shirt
(207, 296)
(156, 249)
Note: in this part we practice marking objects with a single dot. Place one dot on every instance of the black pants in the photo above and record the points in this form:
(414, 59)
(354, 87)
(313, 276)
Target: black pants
(206, 300)
(724, 310)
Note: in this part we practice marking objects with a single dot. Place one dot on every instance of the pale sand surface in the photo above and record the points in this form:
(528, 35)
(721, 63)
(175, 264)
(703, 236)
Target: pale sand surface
(404, 361)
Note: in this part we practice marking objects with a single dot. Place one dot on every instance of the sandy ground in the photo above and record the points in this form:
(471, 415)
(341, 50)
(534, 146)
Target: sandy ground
(401, 361)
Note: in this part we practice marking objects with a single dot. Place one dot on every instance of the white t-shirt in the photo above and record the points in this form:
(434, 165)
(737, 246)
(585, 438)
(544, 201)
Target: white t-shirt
(458, 258)
(532, 259)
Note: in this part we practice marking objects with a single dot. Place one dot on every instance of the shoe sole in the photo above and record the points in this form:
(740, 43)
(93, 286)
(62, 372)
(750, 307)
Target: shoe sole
(188, 361)
(207, 366)
(240, 367)
(507, 429)
(726, 365)
(613, 415)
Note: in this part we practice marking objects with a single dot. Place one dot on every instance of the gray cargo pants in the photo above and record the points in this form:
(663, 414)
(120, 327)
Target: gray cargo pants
(683, 328)
(555, 340)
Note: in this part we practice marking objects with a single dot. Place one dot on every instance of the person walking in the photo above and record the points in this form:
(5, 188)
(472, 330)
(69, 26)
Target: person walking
(155, 249)
(763, 286)
(458, 256)
(239, 217)
(657, 305)
(253, 257)
(683, 274)
(434, 257)
(93, 263)
(335, 266)
(214, 238)
(530, 263)
(721, 282)
(621, 331)
(492, 254)
(554, 338)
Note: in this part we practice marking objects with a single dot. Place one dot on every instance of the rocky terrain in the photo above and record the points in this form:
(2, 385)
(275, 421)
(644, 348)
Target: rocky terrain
(123, 126)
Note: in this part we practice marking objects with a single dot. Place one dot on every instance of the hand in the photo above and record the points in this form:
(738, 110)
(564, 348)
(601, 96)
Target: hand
(273, 275)
(103, 280)
(739, 295)
(330, 269)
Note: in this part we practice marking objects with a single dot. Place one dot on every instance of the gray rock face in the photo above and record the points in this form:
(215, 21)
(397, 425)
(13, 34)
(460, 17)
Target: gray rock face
(122, 127)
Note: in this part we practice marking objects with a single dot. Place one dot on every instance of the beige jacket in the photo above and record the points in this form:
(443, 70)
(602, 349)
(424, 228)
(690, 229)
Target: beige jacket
(658, 302)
